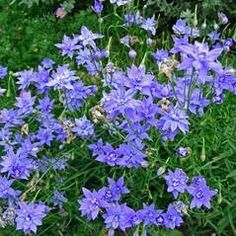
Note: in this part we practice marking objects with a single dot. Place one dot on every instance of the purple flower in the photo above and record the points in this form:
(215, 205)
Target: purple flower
(181, 28)
(90, 59)
(191, 98)
(117, 188)
(97, 7)
(16, 165)
(25, 78)
(176, 182)
(68, 46)
(74, 99)
(149, 25)
(150, 216)
(174, 120)
(28, 147)
(83, 128)
(218, 98)
(129, 19)
(178, 42)
(139, 19)
(109, 155)
(160, 55)
(97, 148)
(172, 218)
(131, 156)
(41, 79)
(45, 105)
(214, 36)
(6, 191)
(201, 193)
(137, 78)
(118, 216)
(87, 37)
(62, 78)
(136, 133)
(183, 151)
(58, 198)
(125, 40)
(91, 204)
(45, 136)
(147, 111)
(157, 90)
(84, 56)
(225, 81)
(25, 103)
(201, 58)
(47, 63)
(10, 118)
(3, 72)
(29, 216)
(119, 101)
(227, 44)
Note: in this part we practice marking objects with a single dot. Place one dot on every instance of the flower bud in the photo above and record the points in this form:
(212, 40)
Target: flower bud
(132, 54)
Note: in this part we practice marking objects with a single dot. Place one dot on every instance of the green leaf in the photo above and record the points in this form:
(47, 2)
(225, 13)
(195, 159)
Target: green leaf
(232, 174)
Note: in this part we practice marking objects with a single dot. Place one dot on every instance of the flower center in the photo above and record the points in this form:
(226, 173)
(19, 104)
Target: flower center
(175, 182)
(199, 194)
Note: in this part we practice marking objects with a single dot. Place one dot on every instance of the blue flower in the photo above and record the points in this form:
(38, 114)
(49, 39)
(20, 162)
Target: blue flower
(149, 24)
(29, 216)
(201, 58)
(117, 188)
(92, 203)
(119, 101)
(87, 37)
(150, 216)
(201, 193)
(58, 198)
(109, 155)
(172, 218)
(16, 165)
(173, 121)
(176, 182)
(25, 78)
(97, 7)
(83, 128)
(160, 55)
(6, 191)
(181, 28)
(62, 78)
(68, 46)
(118, 216)
(131, 156)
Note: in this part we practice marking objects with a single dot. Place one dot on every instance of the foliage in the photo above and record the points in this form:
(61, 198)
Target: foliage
(170, 10)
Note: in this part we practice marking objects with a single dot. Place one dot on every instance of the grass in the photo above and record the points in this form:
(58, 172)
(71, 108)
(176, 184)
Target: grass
(26, 37)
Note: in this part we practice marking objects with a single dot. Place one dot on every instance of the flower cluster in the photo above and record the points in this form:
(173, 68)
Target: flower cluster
(148, 24)
(118, 215)
(24, 146)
